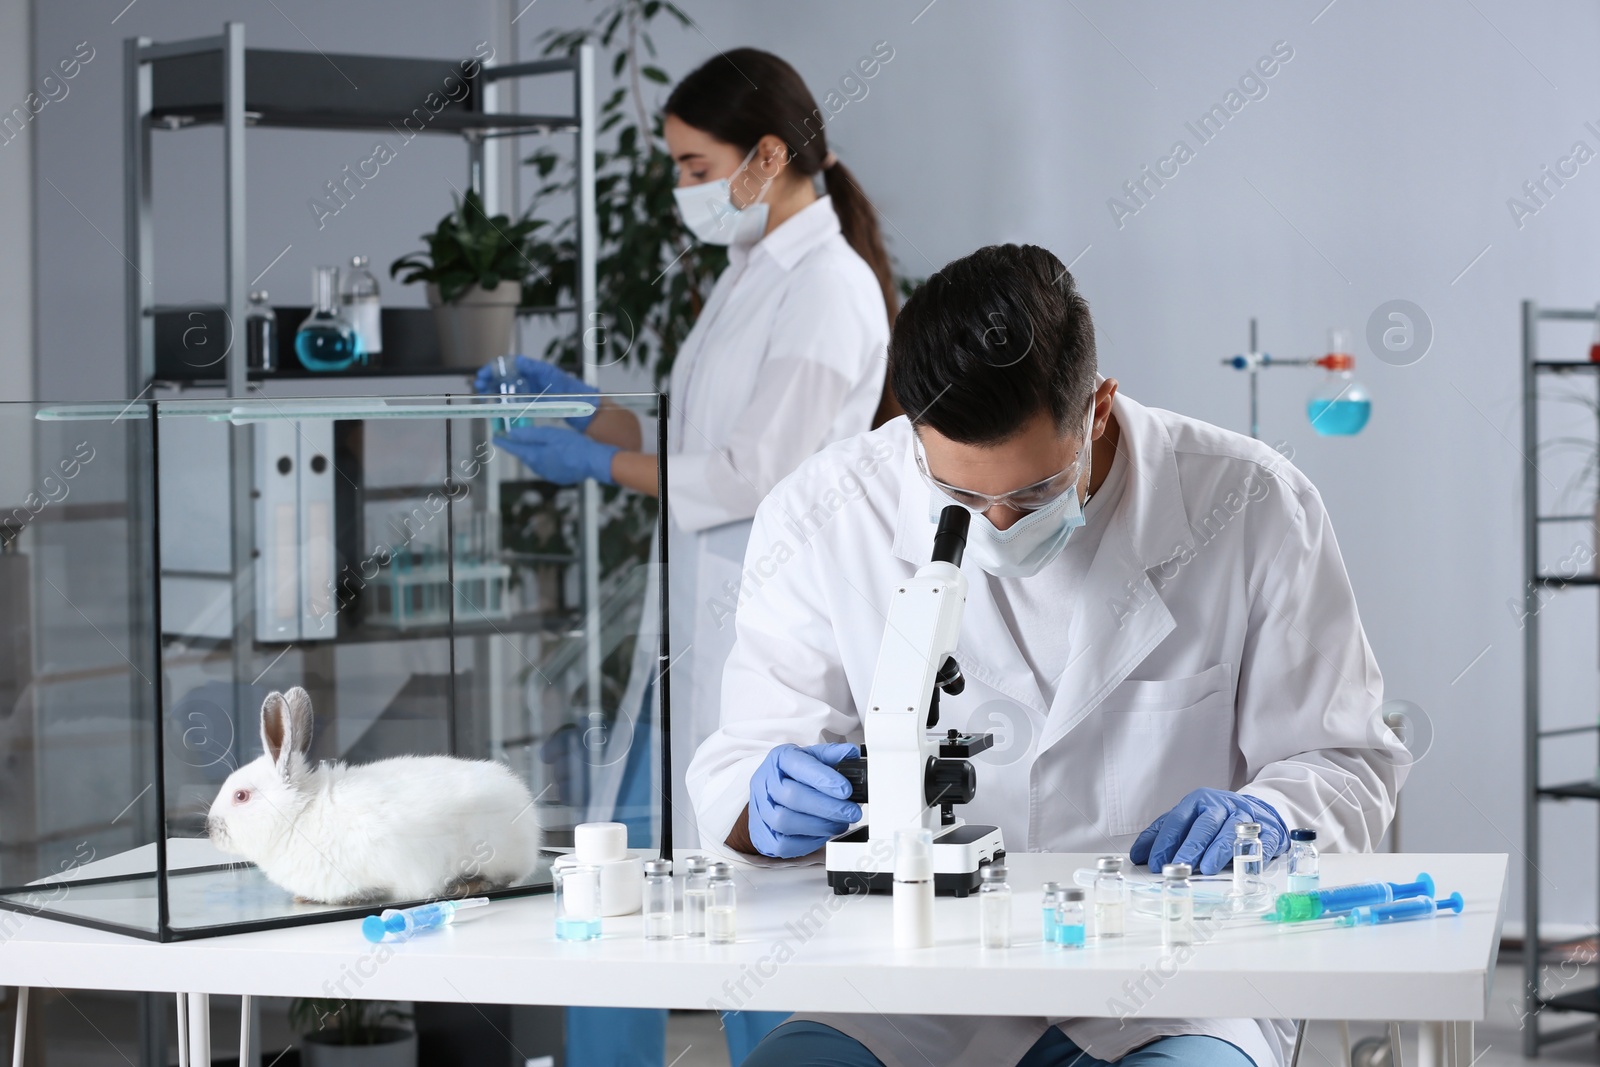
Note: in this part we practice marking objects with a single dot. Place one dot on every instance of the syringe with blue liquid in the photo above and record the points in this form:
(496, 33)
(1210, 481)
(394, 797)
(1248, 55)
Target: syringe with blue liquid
(1320, 903)
(1400, 911)
(401, 923)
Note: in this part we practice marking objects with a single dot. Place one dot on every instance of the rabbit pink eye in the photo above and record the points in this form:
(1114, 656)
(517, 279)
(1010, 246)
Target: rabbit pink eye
(241, 795)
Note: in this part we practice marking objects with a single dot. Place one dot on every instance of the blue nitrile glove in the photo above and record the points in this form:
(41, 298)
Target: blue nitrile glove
(535, 377)
(561, 456)
(798, 801)
(1199, 831)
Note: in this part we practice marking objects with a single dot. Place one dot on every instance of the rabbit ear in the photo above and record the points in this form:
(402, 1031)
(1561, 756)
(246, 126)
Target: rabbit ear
(300, 721)
(274, 723)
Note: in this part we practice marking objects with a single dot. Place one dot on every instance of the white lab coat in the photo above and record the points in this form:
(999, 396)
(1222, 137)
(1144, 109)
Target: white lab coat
(787, 357)
(1215, 643)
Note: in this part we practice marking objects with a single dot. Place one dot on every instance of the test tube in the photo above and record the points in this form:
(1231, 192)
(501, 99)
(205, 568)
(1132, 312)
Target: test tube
(1301, 907)
(1110, 897)
(578, 907)
(1246, 857)
(1177, 905)
(507, 382)
(1400, 911)
(721, 921)
(1069, 918)
(696, 894)
(658, 902)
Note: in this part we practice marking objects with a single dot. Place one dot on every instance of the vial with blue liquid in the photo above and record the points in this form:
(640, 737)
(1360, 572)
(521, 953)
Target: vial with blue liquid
(1340, 405)
(326, 341)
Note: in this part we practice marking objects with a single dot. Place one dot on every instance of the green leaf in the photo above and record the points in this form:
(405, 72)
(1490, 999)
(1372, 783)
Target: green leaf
(655, 74)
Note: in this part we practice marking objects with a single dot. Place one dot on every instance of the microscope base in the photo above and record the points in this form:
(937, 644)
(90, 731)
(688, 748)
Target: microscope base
(857, 865)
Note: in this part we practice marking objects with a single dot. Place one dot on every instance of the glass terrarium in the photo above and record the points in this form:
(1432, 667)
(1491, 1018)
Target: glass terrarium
(248, 648)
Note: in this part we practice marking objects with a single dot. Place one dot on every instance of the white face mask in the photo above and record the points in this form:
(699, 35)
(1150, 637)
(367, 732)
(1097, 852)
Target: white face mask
(707, 211)
(1030, 544)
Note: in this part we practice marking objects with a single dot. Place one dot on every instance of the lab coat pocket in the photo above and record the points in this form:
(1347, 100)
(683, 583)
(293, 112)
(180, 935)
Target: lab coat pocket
(1162, 739)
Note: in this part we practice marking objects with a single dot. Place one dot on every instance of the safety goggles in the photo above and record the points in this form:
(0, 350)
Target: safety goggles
(1029, 498)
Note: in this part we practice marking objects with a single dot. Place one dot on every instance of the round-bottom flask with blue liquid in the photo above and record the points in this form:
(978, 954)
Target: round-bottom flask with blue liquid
(326, 341)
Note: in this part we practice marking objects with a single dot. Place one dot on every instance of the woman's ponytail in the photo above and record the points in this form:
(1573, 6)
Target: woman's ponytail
(859, 221)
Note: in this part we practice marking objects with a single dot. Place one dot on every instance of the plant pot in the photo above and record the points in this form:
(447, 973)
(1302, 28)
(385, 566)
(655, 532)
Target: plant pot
(397, 1049)
(478, 325)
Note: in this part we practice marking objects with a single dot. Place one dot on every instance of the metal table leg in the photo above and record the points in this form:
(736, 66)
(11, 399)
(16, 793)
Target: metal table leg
(183, 1030)
(1299, 1043)
(1431, 1047)
(245, 1058)
(1395, 1056)
(19, 1042)
(200, 1029)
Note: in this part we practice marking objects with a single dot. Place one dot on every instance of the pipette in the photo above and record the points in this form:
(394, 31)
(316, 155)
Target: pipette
(402, 923)
(1302, 907)
(1400, 911)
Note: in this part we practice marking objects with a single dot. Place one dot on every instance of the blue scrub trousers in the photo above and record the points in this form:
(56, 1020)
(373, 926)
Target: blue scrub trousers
(808, 1044)
(637, 1037)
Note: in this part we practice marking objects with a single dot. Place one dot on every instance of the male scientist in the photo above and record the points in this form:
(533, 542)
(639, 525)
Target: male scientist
(1158, 622)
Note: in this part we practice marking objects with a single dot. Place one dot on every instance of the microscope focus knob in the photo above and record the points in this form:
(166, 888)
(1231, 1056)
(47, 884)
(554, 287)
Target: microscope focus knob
(950, 781)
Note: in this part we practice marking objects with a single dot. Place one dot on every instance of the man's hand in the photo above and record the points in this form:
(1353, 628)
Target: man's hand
(798, 801)
(1199, 831)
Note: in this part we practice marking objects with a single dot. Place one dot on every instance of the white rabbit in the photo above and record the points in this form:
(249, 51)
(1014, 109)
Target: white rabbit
(409, 828)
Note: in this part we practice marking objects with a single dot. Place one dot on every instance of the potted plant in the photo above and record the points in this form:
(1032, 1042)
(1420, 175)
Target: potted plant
(353, 1033)
(474, 268)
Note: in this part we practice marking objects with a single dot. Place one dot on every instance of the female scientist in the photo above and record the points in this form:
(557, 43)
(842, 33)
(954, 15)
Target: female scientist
(786, 357)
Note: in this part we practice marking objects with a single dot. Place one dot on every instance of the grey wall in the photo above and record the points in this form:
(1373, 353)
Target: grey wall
(1377, 166)
(16, 248)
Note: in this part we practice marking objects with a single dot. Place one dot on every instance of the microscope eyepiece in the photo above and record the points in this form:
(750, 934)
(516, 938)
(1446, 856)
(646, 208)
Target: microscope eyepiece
(950, 540)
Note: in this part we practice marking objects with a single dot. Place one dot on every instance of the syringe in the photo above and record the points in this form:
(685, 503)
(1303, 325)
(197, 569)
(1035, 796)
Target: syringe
(1302, 907)
(402, 923)
(1400, 911)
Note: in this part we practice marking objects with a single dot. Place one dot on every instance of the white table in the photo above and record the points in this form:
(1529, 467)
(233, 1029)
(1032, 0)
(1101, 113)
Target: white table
(801, 948)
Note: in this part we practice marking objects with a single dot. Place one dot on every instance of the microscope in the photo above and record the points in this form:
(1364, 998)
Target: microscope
(915, 776)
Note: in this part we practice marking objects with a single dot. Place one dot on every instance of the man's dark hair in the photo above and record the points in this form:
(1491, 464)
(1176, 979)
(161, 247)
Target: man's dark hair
(992, 340)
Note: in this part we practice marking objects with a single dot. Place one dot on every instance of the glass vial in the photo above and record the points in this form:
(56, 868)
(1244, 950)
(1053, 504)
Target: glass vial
(577, 888)
(913, 888)
(994, 908)
(1177, 905)
(1047, 911)
(721, 921)
(696, 895)
(261, 334)
(325, 341)
(658, 900)
(1110, 897)
(1069, 918)
(1304, 869)
(358, 297)
(1246, 857)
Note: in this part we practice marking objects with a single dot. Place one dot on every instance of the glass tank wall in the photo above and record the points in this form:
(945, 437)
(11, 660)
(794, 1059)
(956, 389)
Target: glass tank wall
(270, 661)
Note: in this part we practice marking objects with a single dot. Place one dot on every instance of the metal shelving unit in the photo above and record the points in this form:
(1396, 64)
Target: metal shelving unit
(1537, 586)
(218, 81)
